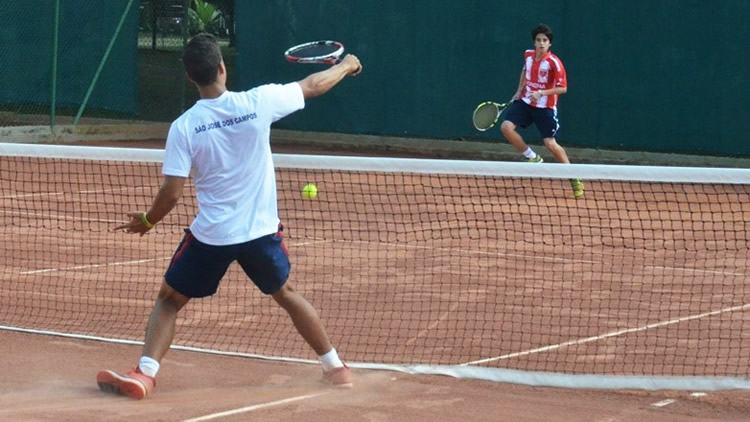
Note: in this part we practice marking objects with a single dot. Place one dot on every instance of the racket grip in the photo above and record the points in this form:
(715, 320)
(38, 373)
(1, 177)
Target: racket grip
(355, 72)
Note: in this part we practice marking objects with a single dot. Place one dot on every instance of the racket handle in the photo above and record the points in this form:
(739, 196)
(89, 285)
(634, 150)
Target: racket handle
(356, 71)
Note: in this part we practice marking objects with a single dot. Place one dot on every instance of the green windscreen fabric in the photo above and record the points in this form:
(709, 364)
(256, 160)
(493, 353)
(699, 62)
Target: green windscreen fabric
(85, 30)
(664, 76)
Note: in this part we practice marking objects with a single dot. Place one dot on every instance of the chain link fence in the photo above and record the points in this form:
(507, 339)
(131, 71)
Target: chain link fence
(71, 62)
(163, 29)
(62, 60)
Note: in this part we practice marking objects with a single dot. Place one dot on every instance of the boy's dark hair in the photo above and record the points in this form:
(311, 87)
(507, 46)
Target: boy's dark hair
(541, 29)
(201, 59)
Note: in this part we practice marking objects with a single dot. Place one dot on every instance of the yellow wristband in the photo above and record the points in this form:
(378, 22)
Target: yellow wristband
(144, 220)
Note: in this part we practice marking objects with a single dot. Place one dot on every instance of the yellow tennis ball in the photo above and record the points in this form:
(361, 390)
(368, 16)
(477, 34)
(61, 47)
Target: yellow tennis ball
(310, 191)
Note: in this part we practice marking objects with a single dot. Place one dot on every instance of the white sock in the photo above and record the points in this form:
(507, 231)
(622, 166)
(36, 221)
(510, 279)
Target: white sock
(330, 360)
(148, 366)
(529, 153)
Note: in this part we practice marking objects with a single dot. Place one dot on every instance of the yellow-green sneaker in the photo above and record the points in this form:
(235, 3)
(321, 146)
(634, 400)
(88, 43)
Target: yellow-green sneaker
(537, 159)
(577, 186)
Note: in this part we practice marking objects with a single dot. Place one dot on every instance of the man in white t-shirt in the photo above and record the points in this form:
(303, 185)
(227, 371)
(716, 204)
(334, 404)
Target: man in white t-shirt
(224, 140)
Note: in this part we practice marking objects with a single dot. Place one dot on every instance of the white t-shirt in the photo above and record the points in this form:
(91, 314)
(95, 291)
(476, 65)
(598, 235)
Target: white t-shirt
(226, 143)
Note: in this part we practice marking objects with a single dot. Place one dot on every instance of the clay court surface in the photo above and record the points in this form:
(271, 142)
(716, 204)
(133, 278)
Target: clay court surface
(397, 296)
(51, 378)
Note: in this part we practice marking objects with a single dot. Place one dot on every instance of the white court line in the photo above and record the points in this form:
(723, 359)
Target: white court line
(76, 217)
(254, 407)
(478, 252)
(445, 314)
(511, 255)
(314, 242)
(32, 195)
(540, 258)
(547, 379)
(693, 270)
(84, 267)
(80, 192)
(663, 403)
(405, 246)
(120, 263)
(434, 324)
(607, 335)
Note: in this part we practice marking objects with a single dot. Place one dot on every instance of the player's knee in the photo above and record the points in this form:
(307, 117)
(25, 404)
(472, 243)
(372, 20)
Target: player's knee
(284, 294)
(551, 143)
(507, 127)
(169, 296)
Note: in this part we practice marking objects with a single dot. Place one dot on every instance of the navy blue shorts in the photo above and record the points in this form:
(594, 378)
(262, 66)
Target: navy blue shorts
(523, 115)
(197, 268)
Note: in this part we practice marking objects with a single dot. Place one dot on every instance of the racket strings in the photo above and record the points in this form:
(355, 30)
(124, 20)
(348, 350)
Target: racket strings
(485, 116)
(315, 51)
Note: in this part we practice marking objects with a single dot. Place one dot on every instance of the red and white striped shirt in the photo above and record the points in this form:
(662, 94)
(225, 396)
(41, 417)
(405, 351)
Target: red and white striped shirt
(546, 73)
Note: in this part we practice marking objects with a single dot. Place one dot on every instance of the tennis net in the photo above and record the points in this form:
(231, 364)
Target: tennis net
(475, 265)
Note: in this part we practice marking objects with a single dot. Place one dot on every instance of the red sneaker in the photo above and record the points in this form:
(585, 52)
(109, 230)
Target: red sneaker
(134, 384)
(339, 377)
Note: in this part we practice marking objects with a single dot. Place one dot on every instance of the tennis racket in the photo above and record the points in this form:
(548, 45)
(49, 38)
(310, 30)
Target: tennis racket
(326, 52)
(487, 114)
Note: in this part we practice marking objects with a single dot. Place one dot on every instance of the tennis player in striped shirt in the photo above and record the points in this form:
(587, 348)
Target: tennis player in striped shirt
(543, 80)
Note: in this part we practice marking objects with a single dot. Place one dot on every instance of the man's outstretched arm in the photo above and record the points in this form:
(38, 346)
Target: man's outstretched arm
(167, 197)
(321, 82)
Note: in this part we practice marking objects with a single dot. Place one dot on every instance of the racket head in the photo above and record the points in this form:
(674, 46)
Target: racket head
(487, 114)
(324, 51)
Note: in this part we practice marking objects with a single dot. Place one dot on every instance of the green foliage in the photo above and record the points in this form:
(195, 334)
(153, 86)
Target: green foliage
(204, 17)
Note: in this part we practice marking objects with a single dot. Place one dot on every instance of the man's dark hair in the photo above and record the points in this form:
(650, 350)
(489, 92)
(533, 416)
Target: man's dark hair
(541, 29)
(201, 58)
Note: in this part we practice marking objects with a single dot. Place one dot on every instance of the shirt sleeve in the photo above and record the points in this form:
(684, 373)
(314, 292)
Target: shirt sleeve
(281, 100)
(177, 159)
(561, 79)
